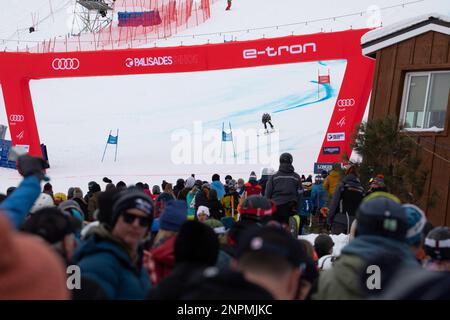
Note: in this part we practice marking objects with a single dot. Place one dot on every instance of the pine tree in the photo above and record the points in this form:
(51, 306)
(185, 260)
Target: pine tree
(386, 150)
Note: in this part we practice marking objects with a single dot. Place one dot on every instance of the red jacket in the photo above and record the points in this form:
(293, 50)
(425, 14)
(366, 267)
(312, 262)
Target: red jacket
(252, 189)
(164, 259)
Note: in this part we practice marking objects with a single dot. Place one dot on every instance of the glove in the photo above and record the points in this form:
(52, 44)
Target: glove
(32, 166)
(106, 180)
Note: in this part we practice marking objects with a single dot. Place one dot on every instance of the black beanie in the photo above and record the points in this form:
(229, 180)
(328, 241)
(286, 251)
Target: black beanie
(128, 199)
(196, 242)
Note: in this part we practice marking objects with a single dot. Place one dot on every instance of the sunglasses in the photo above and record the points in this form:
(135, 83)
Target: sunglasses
(129, 219)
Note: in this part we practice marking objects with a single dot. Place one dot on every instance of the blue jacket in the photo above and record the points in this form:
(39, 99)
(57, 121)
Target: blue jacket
(108, 264)
(19, 203)
(218, 186)
(318, 196)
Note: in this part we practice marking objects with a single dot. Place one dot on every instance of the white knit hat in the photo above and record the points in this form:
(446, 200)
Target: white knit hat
(43, 201)
(204, 210)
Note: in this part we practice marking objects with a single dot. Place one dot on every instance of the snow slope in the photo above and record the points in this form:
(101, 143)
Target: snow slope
(75, 115)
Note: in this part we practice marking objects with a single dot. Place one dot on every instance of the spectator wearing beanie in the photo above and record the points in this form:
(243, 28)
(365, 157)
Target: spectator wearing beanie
(178, 187)
(230, 201)
(29, 268)
(196, 248)
(48, 189)
(78, 198)
(94, 191)
(218, 186)
(285, 189)
(380, 233)
(323, 245)
(415, 234)
(161, 259)
(120, 186)
(202, 197)
(113, 258)
(202, 213)
(190, 181)
(252, 188)
(59, 197)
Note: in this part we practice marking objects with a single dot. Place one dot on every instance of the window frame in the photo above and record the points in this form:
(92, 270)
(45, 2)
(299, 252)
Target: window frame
(405, 99)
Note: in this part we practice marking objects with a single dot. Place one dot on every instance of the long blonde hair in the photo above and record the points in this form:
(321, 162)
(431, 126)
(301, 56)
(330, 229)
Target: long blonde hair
(162, 236)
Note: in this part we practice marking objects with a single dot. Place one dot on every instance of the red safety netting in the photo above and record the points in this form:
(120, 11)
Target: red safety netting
(176, 16)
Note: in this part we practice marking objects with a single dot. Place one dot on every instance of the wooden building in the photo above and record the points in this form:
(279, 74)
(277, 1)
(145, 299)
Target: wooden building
(411, 83)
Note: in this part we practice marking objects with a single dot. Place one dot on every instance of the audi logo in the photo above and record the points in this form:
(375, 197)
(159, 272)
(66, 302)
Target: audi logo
(346, 102)
(66, 64)
(16, 118)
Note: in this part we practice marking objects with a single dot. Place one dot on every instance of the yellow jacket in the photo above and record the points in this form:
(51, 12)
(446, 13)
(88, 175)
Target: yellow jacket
(331, 182)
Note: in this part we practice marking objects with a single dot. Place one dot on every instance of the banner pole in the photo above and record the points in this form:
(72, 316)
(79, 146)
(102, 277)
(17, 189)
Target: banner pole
(232, 140)
(117, 145)
(106, 145)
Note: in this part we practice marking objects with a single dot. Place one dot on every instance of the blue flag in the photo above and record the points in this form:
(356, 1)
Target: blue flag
(227, 136)
(112, 139)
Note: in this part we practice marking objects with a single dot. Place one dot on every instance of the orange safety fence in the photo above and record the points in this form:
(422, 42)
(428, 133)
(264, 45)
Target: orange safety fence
(176, 16)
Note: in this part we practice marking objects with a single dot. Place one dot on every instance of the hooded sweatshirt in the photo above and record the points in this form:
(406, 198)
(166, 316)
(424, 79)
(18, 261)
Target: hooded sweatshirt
(284, 186)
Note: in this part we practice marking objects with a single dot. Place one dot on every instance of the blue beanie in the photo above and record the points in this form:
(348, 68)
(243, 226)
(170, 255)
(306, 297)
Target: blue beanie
(382, 216)
(173, 216)
(416, 223)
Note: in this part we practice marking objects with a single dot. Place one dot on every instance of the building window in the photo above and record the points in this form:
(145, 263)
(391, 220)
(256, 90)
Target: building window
(425, 101)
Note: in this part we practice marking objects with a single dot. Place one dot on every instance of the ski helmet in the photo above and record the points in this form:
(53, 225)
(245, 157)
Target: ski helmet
(437, 243)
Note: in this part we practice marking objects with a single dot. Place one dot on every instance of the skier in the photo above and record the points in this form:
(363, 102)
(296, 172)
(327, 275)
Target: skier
(229, 5)
(266, 118)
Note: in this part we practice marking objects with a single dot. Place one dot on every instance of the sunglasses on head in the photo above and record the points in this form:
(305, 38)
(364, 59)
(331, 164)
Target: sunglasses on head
(129, 218)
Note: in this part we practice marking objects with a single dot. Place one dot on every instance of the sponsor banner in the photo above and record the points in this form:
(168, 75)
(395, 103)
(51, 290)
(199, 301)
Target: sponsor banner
(336, 136)
(319, 167)
(347, 113)
(331, 150)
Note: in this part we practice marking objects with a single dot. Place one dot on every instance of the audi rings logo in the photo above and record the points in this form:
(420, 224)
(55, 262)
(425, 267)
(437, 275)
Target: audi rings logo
(16, 118)
(66, 64)
(346, 102)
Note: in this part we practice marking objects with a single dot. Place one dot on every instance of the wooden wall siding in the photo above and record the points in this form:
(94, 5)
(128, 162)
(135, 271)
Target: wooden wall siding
(422, 49)
(429, 50)
(440, 178)
(440, 47)
(384, 85)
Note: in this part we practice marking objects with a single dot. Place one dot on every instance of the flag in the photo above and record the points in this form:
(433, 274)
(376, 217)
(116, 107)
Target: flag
(324, 79)
(112, 139)
(227, 136)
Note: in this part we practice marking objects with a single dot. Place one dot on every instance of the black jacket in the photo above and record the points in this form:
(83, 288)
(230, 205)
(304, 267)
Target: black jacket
(200, 200)
(346, 198)
(216, 209)
(174, 285)
(284, 186)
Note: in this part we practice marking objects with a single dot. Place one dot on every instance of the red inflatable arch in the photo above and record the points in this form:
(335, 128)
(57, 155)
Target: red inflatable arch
(17, 69)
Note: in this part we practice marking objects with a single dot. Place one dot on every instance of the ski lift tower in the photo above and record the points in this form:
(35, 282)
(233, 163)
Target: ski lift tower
(92, 15)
